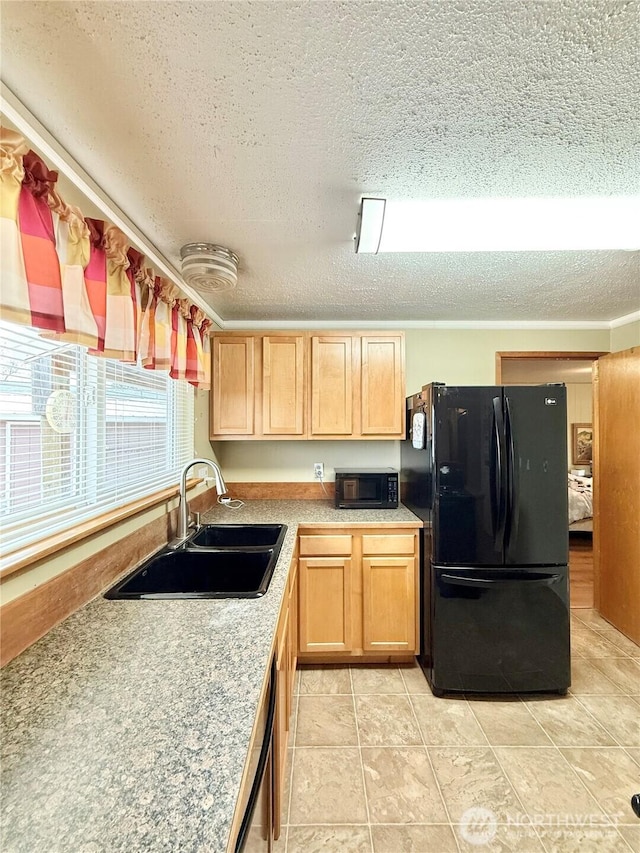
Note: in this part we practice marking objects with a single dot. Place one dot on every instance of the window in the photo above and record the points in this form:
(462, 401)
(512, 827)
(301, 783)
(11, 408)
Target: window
(80, 435)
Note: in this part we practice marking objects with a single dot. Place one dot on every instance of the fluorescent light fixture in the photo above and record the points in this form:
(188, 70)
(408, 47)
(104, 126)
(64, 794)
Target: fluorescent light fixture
(499, 225)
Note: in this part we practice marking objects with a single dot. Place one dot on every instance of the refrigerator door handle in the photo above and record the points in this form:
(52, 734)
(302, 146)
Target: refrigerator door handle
(513, 506)
(455, 580)
(501, 521)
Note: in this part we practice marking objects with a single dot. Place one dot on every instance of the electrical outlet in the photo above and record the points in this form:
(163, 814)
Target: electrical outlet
(318, 470)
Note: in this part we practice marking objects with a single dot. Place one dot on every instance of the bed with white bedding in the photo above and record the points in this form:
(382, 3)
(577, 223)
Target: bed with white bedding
(580, 503)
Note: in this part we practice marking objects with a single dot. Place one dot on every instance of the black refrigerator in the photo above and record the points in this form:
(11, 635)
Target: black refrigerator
(485, 468)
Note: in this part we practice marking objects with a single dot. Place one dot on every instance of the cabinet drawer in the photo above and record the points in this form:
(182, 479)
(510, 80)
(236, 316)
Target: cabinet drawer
(311, 546)
(395, 543)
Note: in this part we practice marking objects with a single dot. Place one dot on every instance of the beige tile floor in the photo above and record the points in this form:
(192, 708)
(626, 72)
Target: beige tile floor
(379, 765)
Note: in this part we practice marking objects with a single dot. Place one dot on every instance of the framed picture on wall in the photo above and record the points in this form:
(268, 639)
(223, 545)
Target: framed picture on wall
(582, 443)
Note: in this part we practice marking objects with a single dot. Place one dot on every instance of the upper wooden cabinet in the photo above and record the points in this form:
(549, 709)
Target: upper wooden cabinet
(308, 386)
(332, 369)
(382, 387)
(283, 364)
(233, 387)
(258, 386)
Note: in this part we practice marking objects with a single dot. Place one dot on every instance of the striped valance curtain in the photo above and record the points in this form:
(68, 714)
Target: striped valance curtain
(79, 280)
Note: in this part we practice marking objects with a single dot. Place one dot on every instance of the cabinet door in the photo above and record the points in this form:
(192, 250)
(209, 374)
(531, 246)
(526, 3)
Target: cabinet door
(283, 385)
(382, 390)
(233, 386)
(389, 604)
(331, 385)
(325, 604)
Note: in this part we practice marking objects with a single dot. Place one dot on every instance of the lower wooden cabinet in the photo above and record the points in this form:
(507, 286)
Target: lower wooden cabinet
(326, 624)
(358, 594)
(286, 662)
(388, 604)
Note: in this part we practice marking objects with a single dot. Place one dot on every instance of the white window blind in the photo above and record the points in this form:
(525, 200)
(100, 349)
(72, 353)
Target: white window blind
(80, 435)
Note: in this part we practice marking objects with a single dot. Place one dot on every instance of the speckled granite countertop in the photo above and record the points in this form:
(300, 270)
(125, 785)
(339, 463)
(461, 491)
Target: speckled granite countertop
(126, 728)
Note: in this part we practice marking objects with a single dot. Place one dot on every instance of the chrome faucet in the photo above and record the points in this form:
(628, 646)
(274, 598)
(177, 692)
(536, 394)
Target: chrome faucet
(183, 506)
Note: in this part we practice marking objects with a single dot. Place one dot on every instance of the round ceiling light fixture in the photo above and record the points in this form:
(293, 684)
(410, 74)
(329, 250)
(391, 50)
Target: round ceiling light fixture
(209, 268)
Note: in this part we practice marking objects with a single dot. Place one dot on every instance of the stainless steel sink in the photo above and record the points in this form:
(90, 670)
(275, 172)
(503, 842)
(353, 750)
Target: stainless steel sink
(238, 536)
(186, 573)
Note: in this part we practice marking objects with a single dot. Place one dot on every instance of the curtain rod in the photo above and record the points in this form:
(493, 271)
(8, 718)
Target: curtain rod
(37, 134)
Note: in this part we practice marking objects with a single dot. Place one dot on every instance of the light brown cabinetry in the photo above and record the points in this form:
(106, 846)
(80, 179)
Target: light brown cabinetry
(381, 395)
(233, 386)
(283, 366)
(307, 386)
(286, 662)
(357, 594)
(258, 386)
(389, 598)
(326, 623)
(357, 386)
(332, 371)
(616, 517)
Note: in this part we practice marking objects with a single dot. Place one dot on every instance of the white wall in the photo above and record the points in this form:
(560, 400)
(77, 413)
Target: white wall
(461, 356)
(292, 461)
(201, 442)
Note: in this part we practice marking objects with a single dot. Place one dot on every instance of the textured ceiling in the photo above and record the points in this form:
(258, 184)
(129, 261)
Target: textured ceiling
(259, 126)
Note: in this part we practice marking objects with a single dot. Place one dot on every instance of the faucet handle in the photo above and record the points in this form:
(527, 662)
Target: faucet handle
(195, 517)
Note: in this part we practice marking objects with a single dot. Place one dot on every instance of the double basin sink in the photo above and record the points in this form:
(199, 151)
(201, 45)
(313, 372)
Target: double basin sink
(216, 561)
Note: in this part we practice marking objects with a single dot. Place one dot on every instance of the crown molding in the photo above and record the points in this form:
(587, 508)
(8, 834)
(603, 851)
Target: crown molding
(38, 135)
(576, 325)
(634, 317)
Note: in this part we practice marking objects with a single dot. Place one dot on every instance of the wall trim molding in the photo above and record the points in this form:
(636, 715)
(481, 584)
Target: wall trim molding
(624, 321)
(296, 491)
(383, 325)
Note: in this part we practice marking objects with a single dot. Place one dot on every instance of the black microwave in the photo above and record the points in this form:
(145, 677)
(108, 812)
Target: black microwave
(366, 488)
